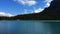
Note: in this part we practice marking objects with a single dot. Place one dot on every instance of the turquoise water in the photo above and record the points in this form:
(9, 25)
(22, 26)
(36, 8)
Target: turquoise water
(30, 27)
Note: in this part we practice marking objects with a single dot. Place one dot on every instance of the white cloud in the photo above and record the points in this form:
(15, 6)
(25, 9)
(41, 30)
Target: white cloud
(30, 3)
(47, 3)
(27, 2)
(32, 11)
(5, 14)
(38, 10)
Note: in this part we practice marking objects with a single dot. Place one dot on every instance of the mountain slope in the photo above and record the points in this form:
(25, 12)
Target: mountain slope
(52, 12)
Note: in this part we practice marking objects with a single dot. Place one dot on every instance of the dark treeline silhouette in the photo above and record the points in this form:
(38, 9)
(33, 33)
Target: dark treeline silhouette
(50, 13)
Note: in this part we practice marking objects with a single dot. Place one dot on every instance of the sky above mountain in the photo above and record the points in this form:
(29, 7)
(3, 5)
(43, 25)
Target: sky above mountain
(15, 7)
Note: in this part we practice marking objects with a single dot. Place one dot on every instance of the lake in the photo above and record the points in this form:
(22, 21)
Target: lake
(30, 27)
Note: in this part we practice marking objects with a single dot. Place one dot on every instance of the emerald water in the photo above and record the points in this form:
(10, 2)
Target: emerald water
(29, 27)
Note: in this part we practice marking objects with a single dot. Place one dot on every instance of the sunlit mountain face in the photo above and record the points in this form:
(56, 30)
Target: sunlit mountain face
(15, 7)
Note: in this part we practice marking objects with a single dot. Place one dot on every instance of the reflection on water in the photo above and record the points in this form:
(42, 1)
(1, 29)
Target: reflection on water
(29, 27)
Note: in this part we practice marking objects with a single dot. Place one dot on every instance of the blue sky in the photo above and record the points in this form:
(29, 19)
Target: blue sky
(15, 7)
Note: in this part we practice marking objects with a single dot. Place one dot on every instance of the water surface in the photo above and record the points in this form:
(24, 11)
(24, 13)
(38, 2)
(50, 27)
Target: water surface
(29, 27)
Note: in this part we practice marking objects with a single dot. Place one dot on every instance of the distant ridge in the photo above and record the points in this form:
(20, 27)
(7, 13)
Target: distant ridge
(50, 13)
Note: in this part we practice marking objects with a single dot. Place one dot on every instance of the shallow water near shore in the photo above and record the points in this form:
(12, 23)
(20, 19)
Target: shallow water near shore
(29, 27)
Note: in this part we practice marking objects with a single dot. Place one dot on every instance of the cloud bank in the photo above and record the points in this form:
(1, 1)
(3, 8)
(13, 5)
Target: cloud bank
(5, 14)
(47, 3)
(38, 10)
(26, 2)
(33, 2)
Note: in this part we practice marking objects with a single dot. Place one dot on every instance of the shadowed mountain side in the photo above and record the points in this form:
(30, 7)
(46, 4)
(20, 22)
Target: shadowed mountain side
(6, 18)
(36, 16)
(50, 13)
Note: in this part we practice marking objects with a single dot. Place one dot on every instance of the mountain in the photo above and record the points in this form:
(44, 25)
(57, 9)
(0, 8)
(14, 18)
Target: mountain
(50, 13)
